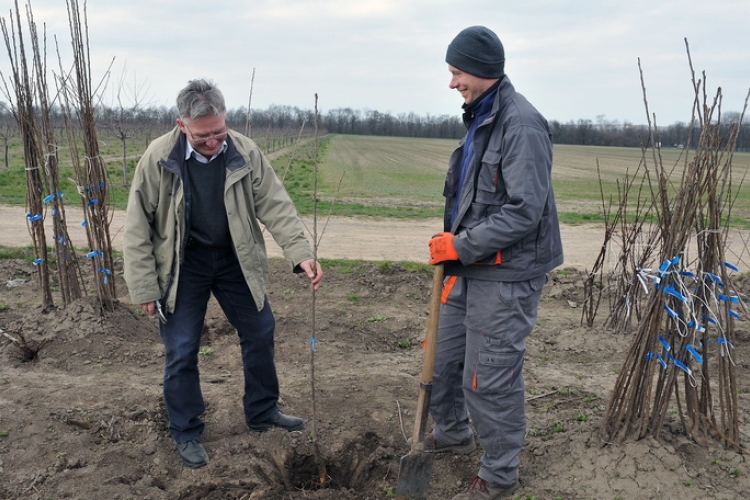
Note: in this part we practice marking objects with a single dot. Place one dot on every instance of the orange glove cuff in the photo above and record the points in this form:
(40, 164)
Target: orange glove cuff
(441, 248)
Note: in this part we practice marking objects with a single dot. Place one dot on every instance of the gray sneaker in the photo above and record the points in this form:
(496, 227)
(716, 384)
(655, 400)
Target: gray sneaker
(432, 445)
(193, 453)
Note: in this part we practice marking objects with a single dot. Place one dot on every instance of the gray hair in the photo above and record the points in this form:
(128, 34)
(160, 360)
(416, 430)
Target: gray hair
(200, 98)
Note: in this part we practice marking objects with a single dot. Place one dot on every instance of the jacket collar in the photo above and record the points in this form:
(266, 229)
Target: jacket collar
(176, 157)
(190, 150)
(482, 104)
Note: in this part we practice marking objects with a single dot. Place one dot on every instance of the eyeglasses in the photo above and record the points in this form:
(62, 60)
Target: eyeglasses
(201, 139)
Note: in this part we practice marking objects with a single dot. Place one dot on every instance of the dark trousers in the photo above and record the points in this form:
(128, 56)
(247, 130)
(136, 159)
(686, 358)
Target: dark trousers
(206, 271)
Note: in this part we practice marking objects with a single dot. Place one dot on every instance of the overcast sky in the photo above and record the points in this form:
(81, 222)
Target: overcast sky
(572, 59)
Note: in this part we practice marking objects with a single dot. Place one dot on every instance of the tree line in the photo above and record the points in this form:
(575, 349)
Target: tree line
(583, 132)
(282, 121)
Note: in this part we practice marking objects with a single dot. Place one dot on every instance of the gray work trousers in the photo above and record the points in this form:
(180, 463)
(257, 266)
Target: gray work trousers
(478, 366)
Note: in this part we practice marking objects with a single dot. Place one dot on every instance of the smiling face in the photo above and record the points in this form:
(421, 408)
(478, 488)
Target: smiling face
(206, 133)
(469, 86)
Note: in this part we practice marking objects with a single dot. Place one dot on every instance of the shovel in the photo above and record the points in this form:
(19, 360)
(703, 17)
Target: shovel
(415, 469)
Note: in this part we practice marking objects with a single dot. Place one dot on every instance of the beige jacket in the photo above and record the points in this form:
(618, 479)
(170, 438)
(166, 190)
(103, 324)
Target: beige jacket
(154, 237)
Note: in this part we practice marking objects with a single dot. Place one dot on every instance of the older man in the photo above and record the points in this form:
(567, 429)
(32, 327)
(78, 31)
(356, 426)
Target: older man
(192, 229)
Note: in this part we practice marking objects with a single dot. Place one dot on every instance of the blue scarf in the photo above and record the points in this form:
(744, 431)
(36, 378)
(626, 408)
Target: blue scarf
(474, 114)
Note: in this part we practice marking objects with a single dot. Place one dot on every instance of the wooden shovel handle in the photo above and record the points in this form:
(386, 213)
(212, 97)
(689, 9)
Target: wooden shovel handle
(428, 360)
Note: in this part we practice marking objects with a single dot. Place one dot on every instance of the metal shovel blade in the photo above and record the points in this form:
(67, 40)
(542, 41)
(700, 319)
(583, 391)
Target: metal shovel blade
(414, 475)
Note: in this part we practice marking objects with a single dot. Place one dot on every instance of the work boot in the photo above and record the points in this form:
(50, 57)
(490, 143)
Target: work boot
(193, 453)
(432, 445)
(286, 422)
(479, 489)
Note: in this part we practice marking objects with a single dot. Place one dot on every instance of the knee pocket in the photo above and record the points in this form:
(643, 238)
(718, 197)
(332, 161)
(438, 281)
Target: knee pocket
(497, 372)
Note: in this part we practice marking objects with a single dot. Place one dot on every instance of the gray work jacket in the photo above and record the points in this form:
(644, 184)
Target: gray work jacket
(507, 204)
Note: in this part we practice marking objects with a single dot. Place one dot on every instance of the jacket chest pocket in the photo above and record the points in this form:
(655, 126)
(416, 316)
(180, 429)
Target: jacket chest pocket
(490, 185)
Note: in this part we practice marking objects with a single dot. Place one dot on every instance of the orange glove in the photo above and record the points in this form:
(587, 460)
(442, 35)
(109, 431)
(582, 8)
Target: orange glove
(441, 248)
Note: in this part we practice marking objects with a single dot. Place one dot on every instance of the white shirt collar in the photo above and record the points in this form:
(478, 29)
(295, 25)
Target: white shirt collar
(190, 150)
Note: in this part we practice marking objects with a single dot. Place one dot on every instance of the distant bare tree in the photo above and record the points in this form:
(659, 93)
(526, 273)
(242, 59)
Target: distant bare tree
(124, 121)
(7, 132)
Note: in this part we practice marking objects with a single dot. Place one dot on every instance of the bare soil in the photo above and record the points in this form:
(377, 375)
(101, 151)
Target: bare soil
(85, 419)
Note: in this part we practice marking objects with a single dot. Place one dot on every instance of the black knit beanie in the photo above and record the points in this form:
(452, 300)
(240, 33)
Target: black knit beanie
(477, 51)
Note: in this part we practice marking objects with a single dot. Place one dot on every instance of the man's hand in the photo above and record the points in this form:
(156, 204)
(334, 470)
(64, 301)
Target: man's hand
(152, 308)
(313, 271)
(441, 248)
(149, 308)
